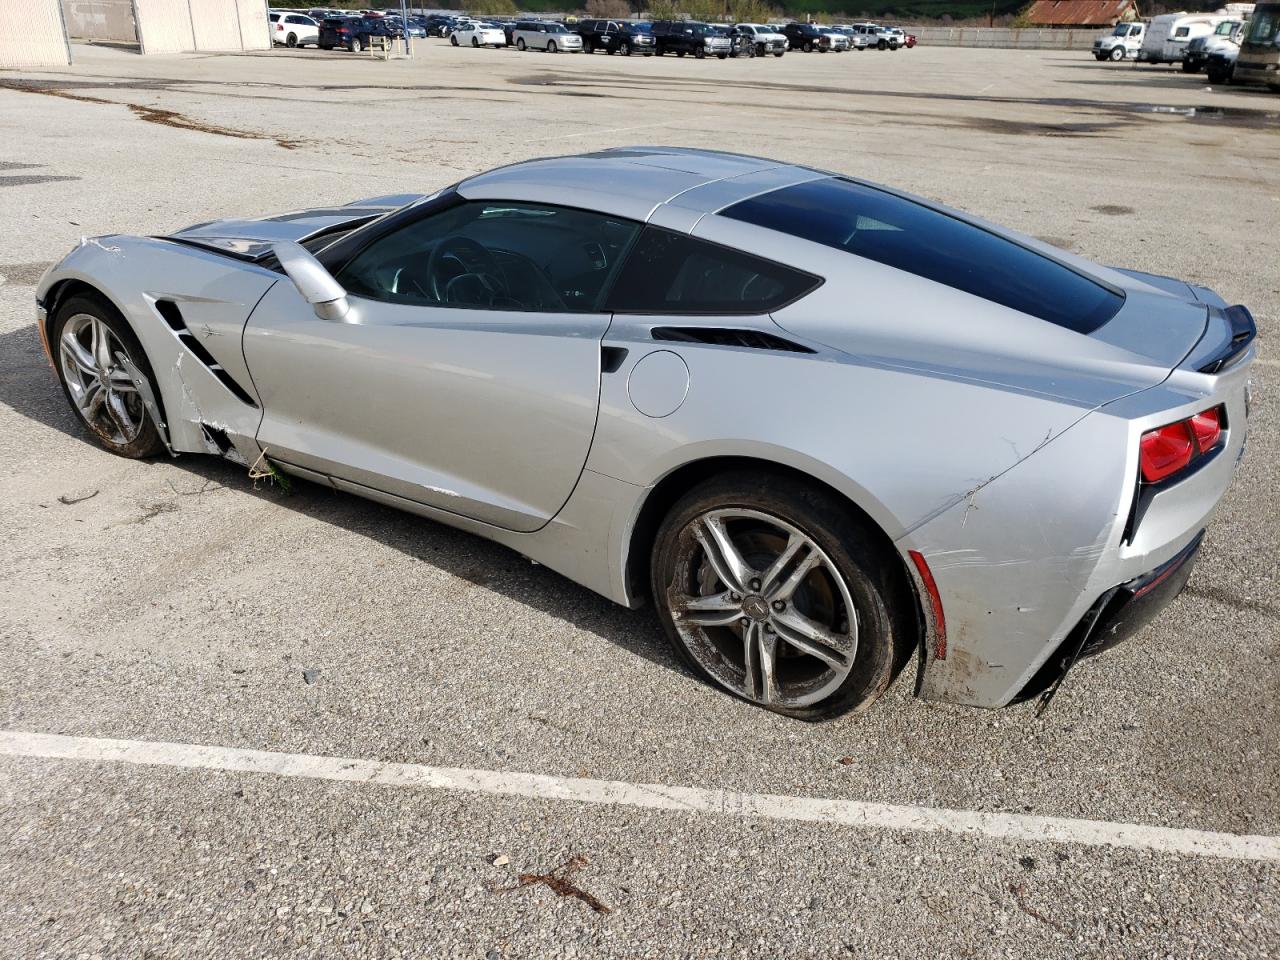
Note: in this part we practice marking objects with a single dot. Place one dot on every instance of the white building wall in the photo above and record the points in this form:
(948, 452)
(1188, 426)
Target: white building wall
(33, 34)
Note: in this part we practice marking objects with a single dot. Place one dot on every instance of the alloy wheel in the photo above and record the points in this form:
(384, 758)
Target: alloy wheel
(762, 608)
(92, 358)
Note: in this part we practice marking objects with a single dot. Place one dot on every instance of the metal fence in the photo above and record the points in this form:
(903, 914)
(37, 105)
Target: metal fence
(34, 36)
(100, 20)
(1009, 37)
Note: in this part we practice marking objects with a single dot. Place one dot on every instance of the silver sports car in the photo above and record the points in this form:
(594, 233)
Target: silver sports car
(661, 372)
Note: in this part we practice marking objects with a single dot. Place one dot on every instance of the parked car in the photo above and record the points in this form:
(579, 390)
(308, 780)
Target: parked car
(857, 41)
(478, 35)
(1167, 36)
(571, 381)
(290, 28)
(740, 44)
(869, 32)
(439, 25)
(895, 38)
(1259, 58)
(1123, 42)
(911, 41)
(690, 36)
(1226, 34)
(551, 37)
(353, 32)
(839, 41)
(767, 40)
(616, 36)
(413, 30)
(806, 37)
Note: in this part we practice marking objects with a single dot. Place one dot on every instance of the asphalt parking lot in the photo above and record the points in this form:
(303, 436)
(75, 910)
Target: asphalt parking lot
(176, 604)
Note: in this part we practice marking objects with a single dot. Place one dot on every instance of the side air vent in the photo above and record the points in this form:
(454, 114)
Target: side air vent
(173, 317)
(728, 337)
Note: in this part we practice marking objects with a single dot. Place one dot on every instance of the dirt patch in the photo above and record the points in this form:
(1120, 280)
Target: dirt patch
(30, 179)
(167, 118)
(26, 273)
(1113, 209)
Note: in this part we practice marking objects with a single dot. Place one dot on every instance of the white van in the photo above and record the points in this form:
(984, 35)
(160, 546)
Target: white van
(1168, 35)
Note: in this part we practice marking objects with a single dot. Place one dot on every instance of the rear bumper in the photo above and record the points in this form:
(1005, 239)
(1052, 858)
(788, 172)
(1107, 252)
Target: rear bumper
(1115, 617)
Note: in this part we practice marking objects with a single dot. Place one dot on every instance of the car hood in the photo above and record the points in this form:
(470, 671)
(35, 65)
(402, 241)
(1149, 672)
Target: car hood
(251, 239)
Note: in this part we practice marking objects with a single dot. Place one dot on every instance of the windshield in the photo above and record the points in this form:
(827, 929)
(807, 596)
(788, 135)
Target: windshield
(1226, 27)
(1266, 24)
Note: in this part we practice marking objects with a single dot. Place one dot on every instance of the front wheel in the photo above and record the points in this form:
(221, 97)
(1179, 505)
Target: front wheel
(520, 44)
(551, 47)
(97, 357)
(1218, 77)
(1190, 67)
(624, 49)
(1117, 53)
(774, 590)
(475, 43)
(779, 53)
(808, 47)
(453, 40)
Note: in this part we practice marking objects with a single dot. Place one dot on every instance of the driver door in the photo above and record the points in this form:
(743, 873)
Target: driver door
(466, 375)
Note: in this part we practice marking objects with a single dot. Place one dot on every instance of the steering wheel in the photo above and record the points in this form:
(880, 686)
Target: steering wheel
(459, 266)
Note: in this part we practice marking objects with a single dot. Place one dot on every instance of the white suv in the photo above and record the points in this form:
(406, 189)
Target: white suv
(292, 29)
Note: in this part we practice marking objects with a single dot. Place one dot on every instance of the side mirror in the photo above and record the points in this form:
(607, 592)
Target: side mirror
(313, 281)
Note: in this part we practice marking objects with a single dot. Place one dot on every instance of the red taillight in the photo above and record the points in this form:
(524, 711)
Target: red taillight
(279, 26)
(1168, 449)
(1207, 428)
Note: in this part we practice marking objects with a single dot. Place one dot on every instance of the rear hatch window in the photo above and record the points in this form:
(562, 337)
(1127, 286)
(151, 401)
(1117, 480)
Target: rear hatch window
(916, 239)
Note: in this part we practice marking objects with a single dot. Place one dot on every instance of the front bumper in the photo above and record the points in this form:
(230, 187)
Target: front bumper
(1115, 617)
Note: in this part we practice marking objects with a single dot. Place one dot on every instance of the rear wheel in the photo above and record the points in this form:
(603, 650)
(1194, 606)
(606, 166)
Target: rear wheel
(356, 45)
(520, 44)
(95, 349)
(453, 40)
(291, 40)
(475, 42)
(774, 590)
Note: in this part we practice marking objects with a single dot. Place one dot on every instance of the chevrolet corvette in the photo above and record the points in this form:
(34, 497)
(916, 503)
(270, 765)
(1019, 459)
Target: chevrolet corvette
(668, 374)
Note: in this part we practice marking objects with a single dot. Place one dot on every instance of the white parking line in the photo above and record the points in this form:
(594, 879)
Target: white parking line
(690, 800)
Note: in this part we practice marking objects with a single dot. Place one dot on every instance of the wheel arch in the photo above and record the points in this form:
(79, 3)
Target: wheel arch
(664, 494)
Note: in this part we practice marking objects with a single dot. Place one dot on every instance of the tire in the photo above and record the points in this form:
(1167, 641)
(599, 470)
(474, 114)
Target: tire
(325, 46)
(1189, 67)
(856, 568)
(882, 45)
(356, 45)
(520, 44)
(291, 40)
(760, 51)
(475, 43)
(1218, 77)
(586, 46)
(551, 47)
(699, 53)
(808, 46)
(1117, 53)
(722, 56)
(624, 49)
(453, 40)
(680, 53)
(779, 53)
(86, 310)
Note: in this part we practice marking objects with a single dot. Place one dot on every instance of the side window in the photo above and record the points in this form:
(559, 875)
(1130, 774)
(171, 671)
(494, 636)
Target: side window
(495, 255)
(672, 273)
